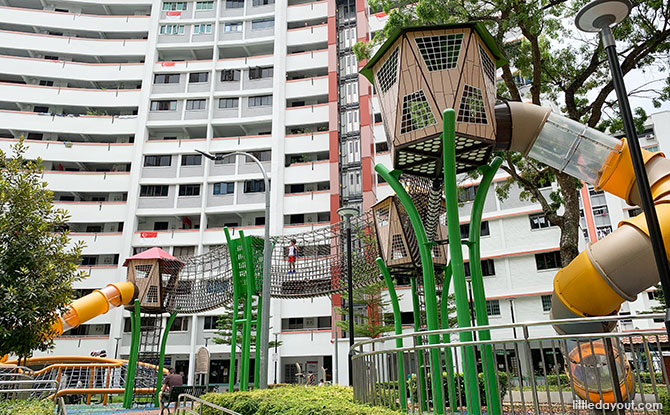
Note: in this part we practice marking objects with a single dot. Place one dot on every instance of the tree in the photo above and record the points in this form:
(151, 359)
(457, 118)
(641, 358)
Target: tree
(224, 330)
(37, 262)
(368, 318)
(563, 66)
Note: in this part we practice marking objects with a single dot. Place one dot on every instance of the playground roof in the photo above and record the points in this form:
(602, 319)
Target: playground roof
(153, 253)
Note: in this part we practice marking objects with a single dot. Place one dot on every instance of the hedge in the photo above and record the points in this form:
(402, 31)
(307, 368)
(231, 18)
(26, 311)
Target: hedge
(294, 400)
(32, 407)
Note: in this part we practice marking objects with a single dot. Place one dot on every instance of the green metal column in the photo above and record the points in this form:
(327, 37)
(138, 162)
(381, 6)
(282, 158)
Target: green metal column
(456, 255)
(444, 320)
(232, 249)
(491, 387)
(161, 357)
(428, 280)
(416, 316)
(250, 283)
(135, 325)
(397, 320)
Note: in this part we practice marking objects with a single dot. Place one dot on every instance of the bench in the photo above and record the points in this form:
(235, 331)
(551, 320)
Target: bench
(175, 391)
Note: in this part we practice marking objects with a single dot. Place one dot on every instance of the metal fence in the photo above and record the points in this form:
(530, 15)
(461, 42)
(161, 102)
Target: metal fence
(534, 370)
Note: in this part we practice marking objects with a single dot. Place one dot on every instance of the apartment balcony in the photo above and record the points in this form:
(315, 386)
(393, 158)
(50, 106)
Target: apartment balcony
(377, 21)
(307, 60)
(95, 212)
(314, 171)
(307, 143)
(64, 124)
(84, 181)
(81, 97)
(307, 87)
(73, 21)
(100, 276)
(307, 35)
(307, 11)
(313, 113)
(99, 243)
(41, 68)
(177, 237)
(307, 202)
(55, 45)
(244, 143)
(216, 236)
(245, 62)
(183, 66)
(383, 158)
(76, 152)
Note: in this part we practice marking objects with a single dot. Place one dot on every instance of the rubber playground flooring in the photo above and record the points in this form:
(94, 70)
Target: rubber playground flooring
(112, 409)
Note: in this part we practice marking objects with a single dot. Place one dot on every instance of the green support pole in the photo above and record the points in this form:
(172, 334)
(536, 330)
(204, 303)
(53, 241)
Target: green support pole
(456, 255)
(161, 357)
(246, 331)
(428, 280)
(257, 366)
(416, 316)
(132, 357)
(397, 320)
(444, 319)
(491, 387)
(232, 249)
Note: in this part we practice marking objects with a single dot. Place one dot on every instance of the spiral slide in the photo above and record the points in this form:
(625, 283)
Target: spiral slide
(621, 265)
(92, 305)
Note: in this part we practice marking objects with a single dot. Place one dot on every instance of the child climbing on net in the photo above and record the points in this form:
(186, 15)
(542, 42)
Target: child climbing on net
(292, 256)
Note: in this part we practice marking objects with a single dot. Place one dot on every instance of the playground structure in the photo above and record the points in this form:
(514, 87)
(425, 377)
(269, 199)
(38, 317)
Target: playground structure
(417, 73)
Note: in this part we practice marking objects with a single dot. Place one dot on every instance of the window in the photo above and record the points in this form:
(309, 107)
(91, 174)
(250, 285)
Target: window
(259, 220)
(260, 101)
(189, 190)
(89, 260)
(254, 186)
(262, 24)
(265, 155)
(191, 160)
(167, 78)
(548, 260)
(93, 228)
(234, 4)
(258, 72)
(224, 188)
(539, 221)
(652, 295)
(225, 160)
(634, 212)
(180, 324)
(196, 104)
(467, 194)
(153, 190)
(202, 28)
(40, 109)
(600, 211)
(262, 2)
(546, 303)
(157, 161)
(51, 57)
(197, 77)
(465, 230)
(229, 75)
(163, 105)
(229, 103)
(232, 27)
(210, 322)
(488, 268)
(183, 251)
(172, 29)
(204, 5)
(46, 83)
(493, 307)
(175, 5)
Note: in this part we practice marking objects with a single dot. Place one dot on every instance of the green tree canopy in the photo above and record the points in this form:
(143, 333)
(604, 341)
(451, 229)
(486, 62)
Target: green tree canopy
(551, 61)
(37, 262)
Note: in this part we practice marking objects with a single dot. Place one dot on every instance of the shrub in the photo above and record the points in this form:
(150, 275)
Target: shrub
(552, 380)
(665, 401)
(645, 377)
(294, 400)
(459, 381)
(13, 407)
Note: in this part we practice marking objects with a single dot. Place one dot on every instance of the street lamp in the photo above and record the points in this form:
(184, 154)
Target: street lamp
(346, 213)
(267, 257)
(275, 357)
(598, 16)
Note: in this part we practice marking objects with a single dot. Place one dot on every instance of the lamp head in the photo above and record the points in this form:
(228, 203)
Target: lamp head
(347, 211)
(602, 13)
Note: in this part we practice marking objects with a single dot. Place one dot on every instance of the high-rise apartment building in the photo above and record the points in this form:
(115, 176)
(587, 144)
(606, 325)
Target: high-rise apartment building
(116, 96)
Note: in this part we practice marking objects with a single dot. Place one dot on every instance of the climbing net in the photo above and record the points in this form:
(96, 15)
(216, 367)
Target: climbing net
(319, 267)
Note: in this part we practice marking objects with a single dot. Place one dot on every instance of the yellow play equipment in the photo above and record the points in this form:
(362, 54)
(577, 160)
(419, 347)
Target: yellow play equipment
(614, 269)
(90, 306)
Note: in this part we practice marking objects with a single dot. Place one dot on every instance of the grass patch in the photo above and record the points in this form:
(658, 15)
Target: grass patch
(295, 400)
(31, 407)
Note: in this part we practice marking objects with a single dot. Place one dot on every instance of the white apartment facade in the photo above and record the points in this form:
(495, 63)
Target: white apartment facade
(116, 96)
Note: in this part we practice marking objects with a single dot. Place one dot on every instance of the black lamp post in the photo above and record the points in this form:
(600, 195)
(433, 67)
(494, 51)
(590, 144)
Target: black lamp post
(598, 16)
(346, 213)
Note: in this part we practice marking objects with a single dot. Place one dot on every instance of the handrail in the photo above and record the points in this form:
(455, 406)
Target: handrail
(202, 403)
